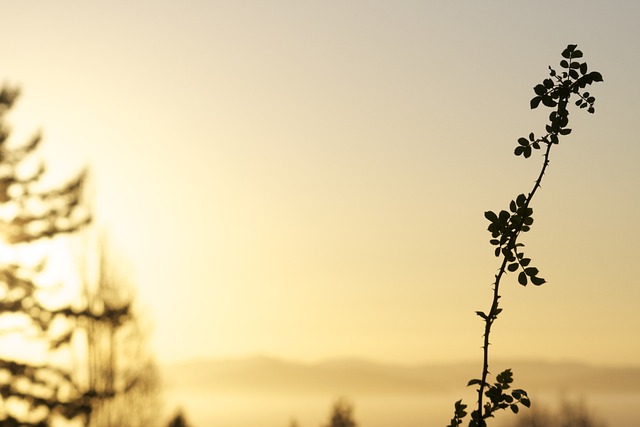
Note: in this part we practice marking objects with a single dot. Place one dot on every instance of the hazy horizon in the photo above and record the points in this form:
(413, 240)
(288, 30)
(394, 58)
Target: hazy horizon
(242, 393)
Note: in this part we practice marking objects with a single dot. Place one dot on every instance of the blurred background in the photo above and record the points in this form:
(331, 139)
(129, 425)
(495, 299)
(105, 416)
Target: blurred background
(290, 185)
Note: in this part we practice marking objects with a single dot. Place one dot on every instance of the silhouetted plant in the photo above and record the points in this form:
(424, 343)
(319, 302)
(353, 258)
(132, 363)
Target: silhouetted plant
(342, 415)
(179, 420)
(570, 414)
(505, 227)
(120, 370)
(31, 213)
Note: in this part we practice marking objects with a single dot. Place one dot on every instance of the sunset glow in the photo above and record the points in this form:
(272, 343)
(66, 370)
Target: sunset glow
(308, 180)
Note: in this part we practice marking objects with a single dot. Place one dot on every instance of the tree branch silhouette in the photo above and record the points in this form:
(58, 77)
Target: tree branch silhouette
(507, 225)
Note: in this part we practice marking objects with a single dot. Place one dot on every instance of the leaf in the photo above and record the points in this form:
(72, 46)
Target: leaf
(484, 316)
(513, 267)
(521, 199)
(537, 281)
(473, 382)
(547, 101)
(583, 68)
(531, 271)
(526, 402)
(535, 102)
(595, 76)
(514, 408)
(539, 89)
(491, 216)
(523, 141)
(564, 63)
(527, 152)
(522, 278)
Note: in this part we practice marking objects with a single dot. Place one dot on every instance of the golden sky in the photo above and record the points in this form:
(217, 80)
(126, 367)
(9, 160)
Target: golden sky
(308, 179)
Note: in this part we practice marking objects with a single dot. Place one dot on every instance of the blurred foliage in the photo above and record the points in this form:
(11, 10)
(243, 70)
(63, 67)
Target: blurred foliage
(342, 414)
(569, 414)
(178, 420)
(34, 213)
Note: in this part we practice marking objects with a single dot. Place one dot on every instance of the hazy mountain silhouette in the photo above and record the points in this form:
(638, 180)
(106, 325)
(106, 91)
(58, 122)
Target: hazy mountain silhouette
(352, 376)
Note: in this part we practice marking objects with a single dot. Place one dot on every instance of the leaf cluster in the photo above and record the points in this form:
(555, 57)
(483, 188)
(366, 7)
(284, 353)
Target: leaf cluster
(499, 396)
(505, 228)
(554, 92)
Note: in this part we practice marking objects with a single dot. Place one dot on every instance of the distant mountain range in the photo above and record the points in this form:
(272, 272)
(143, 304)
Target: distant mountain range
(266, 375)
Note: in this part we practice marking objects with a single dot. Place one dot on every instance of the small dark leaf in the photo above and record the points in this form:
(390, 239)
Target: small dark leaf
(573, 73)
(535, 102)
(522, 278)
(523, 141)
(539, 89)
(512, 206)
(564, 63)
(521, 199)
(514, 408)
(531, 271)
(526, 402)
(595, 76)
(513, 267)
(491, 216)
(538, 281)
(484, 316)
(583, 68)
(473, 382)
(532, 137)
(518, 150)
(527, 152)
(547, 101)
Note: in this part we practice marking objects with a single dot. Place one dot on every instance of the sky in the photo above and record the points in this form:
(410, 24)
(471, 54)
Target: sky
(308, 179)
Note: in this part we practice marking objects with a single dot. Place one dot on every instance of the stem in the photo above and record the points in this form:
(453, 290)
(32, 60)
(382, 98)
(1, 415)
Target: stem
(493, 313)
